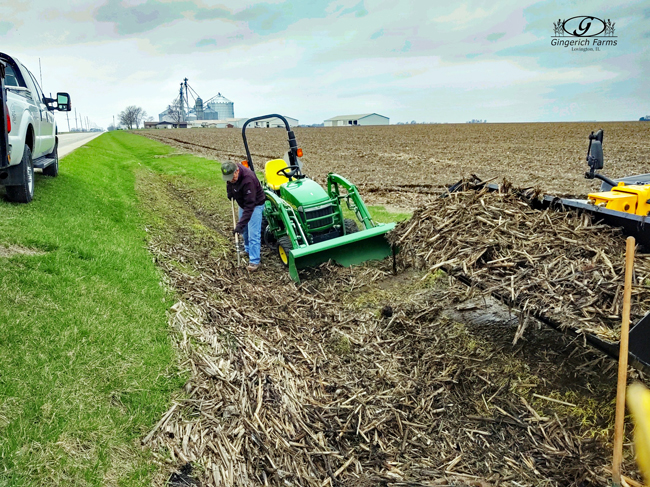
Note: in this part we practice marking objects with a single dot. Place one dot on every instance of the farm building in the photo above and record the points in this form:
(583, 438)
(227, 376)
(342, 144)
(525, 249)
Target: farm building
(165, 125)
(216, 108)
(273, 122)
(219, 124)
(362, 119)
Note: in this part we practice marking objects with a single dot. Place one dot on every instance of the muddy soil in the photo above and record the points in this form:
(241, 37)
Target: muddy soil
(358, 377)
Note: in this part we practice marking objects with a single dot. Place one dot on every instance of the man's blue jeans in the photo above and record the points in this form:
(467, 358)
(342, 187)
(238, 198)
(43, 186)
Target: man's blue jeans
(253, 235)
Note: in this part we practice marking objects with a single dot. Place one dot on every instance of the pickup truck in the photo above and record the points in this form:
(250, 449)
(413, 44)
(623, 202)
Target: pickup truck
(28, 132)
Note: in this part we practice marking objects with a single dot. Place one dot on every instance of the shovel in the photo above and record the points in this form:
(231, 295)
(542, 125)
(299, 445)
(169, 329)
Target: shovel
(234, 223)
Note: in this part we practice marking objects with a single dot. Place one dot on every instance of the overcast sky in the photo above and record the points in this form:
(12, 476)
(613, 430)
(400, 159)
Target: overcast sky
(430, 61)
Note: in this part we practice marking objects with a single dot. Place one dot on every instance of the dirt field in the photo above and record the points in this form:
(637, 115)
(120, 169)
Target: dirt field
(391, 165)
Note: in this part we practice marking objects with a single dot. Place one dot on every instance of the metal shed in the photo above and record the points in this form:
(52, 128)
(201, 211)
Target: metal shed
(359, 119)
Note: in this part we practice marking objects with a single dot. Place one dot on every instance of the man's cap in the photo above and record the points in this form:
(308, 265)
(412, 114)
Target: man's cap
(228, 170)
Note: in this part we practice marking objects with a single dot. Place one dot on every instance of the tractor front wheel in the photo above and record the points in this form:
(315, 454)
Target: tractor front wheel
(350, 226)
(284, 246)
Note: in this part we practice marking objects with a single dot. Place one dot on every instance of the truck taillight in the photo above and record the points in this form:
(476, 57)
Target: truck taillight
(8, 119)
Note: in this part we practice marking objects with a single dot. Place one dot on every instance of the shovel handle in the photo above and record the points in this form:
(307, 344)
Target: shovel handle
(619, 422)
(234, 224)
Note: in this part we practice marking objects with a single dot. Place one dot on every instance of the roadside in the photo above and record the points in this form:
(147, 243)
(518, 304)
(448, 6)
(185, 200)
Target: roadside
(86, 364)
(71, 141)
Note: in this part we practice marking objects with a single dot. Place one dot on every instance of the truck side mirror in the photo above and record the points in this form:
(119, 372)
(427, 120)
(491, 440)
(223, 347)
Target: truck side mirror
(63, 102)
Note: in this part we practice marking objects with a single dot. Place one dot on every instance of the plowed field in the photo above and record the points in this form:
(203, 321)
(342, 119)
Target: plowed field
(394, 164)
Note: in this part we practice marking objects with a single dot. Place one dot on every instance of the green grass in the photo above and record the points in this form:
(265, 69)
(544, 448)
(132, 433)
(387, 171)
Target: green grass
(86, 362)
(379, 214)
(87, 365)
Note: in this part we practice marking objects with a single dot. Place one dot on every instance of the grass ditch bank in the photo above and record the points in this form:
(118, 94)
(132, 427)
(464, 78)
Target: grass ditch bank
(86, 362)
(87, 366)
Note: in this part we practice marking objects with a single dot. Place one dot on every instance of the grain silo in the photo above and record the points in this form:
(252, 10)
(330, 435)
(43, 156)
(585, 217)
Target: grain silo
(218, 108)
(198, 109)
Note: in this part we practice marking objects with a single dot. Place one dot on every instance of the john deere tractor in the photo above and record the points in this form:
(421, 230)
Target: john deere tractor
(305, 222)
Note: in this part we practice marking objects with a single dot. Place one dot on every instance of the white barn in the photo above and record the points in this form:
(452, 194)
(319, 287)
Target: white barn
(219, 124)
(273, 122)
(361, 119)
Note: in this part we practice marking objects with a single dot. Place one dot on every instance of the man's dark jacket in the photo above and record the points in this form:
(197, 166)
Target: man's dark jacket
(248, 193)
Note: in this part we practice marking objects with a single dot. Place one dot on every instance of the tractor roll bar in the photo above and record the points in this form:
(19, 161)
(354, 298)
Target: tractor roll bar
(293, 145)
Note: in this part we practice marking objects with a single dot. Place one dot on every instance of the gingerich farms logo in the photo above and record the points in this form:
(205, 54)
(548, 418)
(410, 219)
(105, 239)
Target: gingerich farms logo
(584, 33)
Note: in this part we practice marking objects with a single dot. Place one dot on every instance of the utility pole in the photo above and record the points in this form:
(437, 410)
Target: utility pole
(75, 120)
(41, 73)
(67, 115)
(113, 122)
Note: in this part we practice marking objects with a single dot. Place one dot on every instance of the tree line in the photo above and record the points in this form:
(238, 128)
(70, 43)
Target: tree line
(131, 117)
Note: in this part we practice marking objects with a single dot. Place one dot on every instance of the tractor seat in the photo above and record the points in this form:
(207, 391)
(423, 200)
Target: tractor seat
(273, 179)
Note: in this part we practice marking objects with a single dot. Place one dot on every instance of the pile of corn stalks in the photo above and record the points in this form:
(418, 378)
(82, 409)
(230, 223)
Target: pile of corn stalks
(556, 263)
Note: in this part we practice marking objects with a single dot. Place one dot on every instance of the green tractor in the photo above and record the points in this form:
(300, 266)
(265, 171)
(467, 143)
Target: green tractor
(306, 223)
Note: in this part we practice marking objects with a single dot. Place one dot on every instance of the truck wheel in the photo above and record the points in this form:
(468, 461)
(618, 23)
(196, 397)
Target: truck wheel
(53, 169)
(284, 246)
(350, 226)
(24, 192)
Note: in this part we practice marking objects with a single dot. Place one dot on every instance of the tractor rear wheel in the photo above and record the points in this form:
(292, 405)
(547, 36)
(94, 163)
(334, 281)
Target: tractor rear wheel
(284, 246)
(350, 226)
(267, 235)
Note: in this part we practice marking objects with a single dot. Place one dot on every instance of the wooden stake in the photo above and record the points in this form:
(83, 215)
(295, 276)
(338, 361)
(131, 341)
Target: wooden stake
(234, 224)
(619, 422)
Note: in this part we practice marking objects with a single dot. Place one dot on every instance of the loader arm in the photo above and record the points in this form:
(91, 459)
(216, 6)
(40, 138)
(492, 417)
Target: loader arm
(289, 219)
(357, 205)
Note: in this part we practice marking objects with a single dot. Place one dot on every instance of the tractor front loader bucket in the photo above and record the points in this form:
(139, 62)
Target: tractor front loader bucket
(351, 249)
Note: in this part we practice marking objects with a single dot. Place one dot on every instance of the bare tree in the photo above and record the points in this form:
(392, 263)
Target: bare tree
(140, 118)
(176, 113)
(131, 116)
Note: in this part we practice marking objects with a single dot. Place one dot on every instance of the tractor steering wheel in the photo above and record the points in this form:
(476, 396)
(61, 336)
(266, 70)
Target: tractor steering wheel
(288, 171)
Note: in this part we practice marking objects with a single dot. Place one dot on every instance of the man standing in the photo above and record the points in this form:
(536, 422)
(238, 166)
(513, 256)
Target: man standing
(245, 188)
